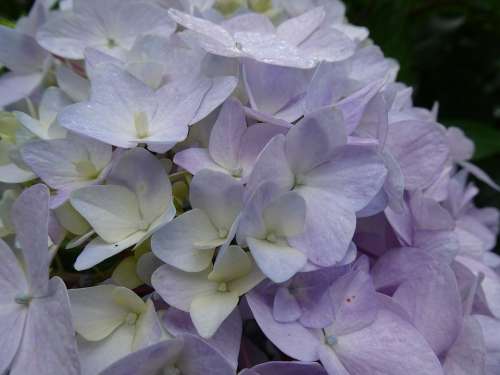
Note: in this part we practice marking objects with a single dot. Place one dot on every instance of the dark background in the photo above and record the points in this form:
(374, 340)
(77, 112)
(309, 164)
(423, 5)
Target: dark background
(449, 51)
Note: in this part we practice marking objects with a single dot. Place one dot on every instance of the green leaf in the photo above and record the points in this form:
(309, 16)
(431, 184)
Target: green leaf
(6, 22)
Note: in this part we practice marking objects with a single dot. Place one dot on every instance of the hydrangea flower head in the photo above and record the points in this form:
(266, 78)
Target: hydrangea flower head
(232, 187)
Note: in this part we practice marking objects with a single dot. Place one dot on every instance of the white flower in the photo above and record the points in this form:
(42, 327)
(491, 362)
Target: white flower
(112, 322)
(211, 295)
(136, 201)
(111, 25)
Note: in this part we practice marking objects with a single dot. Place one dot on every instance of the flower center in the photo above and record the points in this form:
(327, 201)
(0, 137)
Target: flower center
(141, 124)
(23, 299)
(222, 288)
(332, 340)
(131, 318)
(299, 181)
(237, 172)
(111, 43)
(86, 169)
(171, 370)
(223, 232)
(271, 237)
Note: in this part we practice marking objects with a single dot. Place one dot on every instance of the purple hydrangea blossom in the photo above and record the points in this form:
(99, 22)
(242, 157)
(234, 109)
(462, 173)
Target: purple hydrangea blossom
(239, 187)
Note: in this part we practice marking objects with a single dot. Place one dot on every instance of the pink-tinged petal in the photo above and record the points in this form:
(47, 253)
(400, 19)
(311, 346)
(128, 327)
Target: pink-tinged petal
(421, 149)
(461, 147)
(253, 142)
(219, 91)
(401, 222)
(272, 89)
(48, 344)
(429, 214)
(266, 118)
(314, 140)
(327, 86)
(441, 244)
(327, 44)
(210, 36)
(468, 353)
(226, 340)
(390, 346)
(488, 295)
(480, 175)
(196, 159)
(226, 135)
(67, 35)
(20, 52)
(354, 175)
(73, 84)
(270, 49)
(489, 327)
(31, 220)
(296, 30)
(353, 107)
(14, 87)
(434, 306)
(291, 338)
(329, 228)
(272, 165)
(355, 303)
(248, 22)
(133, 20)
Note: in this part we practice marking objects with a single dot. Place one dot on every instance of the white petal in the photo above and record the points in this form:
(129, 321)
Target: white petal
(179, 288)
(219, 195)
(181, 243)
(144, 174)
(111, 210)
(95, 313)
(278, 262)
(209, 311)
(286, 215)
(98, 250)
(95, 356)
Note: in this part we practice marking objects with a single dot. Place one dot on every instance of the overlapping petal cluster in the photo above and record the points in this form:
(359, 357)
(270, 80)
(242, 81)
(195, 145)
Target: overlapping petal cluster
(240, 187)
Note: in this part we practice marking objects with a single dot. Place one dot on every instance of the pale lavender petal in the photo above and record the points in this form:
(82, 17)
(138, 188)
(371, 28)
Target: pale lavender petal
(226, 136)
(403, 350)
(226, 340)
(291, 338)
(48, 344)
(314, 139)
(31, 220)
